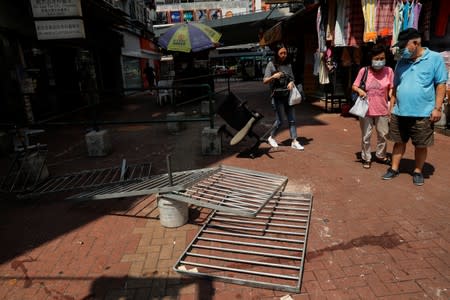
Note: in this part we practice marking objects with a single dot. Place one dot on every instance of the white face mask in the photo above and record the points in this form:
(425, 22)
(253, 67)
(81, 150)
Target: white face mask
(378, 64)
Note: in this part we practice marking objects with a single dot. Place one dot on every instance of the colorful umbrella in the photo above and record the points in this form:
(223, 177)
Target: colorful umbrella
(189, 37)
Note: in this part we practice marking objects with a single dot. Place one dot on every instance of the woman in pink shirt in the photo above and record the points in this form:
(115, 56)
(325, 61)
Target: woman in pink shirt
(379, 84)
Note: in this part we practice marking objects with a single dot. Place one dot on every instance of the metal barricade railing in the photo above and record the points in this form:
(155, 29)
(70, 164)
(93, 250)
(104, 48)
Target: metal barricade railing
(92, 107)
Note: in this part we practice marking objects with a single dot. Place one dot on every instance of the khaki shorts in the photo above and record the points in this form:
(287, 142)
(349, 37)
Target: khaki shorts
(420, 130)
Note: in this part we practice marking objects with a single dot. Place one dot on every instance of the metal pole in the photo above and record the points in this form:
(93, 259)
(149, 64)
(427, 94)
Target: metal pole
(169, 169)
(211, 107)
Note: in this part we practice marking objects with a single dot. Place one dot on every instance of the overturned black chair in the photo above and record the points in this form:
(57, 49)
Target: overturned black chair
(236, 113)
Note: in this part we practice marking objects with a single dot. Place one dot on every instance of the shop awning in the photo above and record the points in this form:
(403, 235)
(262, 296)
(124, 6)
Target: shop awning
(281, 31)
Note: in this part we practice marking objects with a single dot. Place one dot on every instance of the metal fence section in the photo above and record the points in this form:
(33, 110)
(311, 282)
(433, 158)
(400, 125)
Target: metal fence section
(155, 184)
(25, 172)
(90, 179)
(234, 190)
(266, 251)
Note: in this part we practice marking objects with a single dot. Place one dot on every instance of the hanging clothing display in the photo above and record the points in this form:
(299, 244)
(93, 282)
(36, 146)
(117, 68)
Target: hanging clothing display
(323, 70)
(426, 20)
(342, 13)
(398, 20)
(355, 25)
(442, 18)
(331, 20)
(406, 13)
(320, 31)
(369, 8)
(384, 17)
(417, 9)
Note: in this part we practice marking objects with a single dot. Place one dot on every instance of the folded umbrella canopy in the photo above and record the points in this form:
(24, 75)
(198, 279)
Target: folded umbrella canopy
(189, 37)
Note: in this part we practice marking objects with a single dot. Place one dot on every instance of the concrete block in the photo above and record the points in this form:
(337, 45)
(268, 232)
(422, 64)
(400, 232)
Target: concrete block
(211, 141)
(98, 143)
(175, 127)
(204, 107)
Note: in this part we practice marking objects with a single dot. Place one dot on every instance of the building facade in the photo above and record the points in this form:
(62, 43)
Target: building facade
(60, 55)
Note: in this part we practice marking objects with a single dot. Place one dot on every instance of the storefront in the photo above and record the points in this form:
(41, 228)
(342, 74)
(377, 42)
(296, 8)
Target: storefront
(342, 33)
(136, 52)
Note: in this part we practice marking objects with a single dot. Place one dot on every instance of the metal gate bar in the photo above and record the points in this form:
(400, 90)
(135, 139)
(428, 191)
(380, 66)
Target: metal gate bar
(152, 185)
(234, 190)
(90, 179)
(25, 171)
(259, 253)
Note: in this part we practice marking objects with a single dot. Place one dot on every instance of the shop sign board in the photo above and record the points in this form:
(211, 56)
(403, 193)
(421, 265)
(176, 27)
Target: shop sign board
(56, 8)
(60, 29)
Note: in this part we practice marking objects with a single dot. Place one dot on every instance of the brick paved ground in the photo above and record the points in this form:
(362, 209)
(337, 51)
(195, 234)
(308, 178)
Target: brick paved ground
(369, 239)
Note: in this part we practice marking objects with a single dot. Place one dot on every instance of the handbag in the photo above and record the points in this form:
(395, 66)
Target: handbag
(360, 107)
(280, 90)
(294, 96)
(362, 85)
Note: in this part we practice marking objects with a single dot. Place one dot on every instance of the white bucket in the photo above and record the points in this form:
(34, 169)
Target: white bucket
(172, 213)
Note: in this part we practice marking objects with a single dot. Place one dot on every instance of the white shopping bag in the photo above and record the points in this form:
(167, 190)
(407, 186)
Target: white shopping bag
(360, 107)
(294, 96)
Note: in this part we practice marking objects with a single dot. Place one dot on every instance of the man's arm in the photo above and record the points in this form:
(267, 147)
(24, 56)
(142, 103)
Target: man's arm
(393, 99)
(439, 99)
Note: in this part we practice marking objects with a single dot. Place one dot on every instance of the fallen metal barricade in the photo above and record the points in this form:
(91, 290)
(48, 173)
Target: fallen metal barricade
(155, 184)
(25, 172)
(234, 190)
(265, 251)
(91, 179)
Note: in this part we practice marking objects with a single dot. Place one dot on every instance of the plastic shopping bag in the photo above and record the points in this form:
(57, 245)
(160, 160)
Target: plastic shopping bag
(360, 107)
(294, 96)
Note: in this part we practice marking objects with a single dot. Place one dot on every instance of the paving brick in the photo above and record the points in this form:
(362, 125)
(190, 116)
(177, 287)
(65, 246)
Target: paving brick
(340, 295)
(376, 285)
(435, 288)
(133, 257)
(341, 258)
(357, 270)
(350, 282)
(314, 290)
(383, 272)
(308, 276)
(365, 292)
(324, 279)
(364, 258)
(334, 270)
(151, 261)
(440, 266)
(136, 268)
(410, 296)
(166, 252)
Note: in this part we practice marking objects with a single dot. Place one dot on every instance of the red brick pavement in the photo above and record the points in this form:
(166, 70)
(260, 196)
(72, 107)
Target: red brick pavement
(369, 239)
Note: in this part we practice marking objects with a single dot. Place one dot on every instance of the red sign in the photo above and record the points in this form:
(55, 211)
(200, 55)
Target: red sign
(147, 45)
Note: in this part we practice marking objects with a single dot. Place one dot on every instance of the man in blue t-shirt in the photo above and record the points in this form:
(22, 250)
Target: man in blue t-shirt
(416, 103)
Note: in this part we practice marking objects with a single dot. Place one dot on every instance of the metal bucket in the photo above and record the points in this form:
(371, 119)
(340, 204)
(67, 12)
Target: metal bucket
(172, 213)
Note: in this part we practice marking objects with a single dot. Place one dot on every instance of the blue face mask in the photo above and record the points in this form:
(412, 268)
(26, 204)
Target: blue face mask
(378, 64)
(405, 53)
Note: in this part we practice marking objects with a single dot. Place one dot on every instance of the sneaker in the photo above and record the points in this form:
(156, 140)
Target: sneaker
(272, 142)
(418, 179)
(366, 164)
(391, 173)
(296, 145)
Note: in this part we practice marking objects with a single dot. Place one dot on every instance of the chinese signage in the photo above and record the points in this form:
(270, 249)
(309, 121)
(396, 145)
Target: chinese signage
(60, 29)
(55, 8)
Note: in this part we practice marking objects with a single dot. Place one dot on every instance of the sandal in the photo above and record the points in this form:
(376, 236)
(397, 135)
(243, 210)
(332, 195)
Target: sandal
(385, 161)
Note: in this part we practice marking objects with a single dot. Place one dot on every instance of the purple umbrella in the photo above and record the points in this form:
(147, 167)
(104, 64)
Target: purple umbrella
(189, 37)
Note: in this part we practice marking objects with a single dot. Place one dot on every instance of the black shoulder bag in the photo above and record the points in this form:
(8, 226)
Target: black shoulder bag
(280, 89)
(362, 85)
